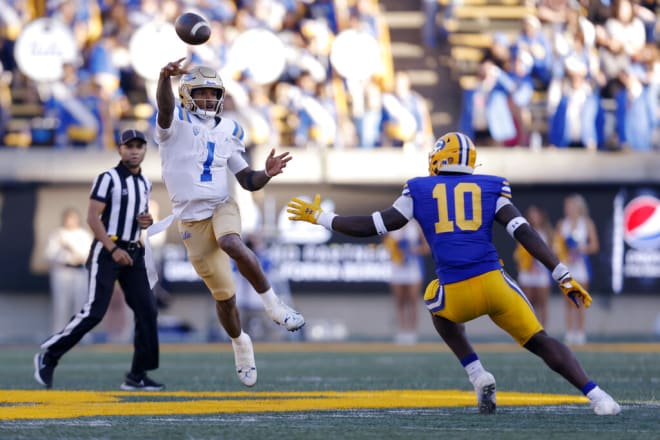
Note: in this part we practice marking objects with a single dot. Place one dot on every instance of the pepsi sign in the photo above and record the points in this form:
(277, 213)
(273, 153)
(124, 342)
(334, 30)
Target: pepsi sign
(641, 223)
(636, 241)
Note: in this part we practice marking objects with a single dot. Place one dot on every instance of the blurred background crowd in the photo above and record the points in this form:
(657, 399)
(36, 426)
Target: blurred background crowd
(320, 73)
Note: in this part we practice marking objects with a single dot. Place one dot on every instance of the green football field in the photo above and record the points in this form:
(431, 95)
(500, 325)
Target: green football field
(327, 391)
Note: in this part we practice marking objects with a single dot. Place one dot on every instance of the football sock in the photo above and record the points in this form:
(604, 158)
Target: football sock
(269, 298)
(596, 393)
(472, 366)
(243, 337)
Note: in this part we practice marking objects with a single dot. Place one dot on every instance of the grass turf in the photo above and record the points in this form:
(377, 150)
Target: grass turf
(631, 373)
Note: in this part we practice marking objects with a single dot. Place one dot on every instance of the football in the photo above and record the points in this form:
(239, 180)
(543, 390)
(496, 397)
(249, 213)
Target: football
(192, 28)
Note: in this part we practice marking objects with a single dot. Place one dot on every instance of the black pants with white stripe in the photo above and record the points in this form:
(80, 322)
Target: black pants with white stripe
(139, 297)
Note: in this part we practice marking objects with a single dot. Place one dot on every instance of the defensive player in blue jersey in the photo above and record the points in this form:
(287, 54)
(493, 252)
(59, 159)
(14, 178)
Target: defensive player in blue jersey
(456, 210)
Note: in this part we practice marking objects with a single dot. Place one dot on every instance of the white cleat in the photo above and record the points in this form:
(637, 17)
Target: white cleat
(246, 368)
(606, 406)
(484, 387)
(284, 315)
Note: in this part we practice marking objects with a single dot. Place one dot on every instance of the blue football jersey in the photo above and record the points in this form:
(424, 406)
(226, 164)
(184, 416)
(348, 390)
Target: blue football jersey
(456, 213)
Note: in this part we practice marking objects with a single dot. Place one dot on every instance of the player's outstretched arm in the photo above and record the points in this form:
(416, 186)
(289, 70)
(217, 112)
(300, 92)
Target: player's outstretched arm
(517, 226)
(252, 180)
(164, 94)
(377, 223)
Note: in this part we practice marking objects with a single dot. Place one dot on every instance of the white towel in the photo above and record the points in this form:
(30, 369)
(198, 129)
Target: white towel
(156, 228)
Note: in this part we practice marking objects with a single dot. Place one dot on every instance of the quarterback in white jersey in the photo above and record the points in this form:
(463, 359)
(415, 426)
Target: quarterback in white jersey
(195, 154)
(197, 148)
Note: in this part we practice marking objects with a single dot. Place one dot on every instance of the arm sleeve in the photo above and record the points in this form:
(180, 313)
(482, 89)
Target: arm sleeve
(162, 134)
(404, 204)
(101, 188)
(236, 161)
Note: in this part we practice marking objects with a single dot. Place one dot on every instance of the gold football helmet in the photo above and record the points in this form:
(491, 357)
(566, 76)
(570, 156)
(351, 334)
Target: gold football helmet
(198, 78)
(452, 152)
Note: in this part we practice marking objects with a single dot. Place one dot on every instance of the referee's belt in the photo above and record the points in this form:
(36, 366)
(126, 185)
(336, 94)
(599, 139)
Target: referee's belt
(129, 246)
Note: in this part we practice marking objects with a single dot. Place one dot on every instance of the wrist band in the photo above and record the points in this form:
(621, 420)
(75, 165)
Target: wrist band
(378, 223)
(266, 173)
(560, 272)
(114, 249)
(325, 220)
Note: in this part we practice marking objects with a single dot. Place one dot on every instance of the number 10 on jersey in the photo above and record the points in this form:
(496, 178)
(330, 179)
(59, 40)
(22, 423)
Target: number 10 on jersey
(458, 212)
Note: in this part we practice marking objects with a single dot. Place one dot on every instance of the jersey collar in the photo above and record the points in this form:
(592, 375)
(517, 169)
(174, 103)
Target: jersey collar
(125, 172)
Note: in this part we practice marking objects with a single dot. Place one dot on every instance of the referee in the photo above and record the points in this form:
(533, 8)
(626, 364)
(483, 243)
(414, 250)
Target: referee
(117, 213)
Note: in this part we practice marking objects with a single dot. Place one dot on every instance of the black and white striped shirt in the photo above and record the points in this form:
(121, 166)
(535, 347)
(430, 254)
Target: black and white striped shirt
(125, 196)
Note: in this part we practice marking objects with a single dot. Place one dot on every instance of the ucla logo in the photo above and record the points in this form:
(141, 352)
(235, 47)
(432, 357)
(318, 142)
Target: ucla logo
(185, 235)
(641, 223)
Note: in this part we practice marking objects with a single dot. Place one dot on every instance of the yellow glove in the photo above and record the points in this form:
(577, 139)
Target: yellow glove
(575, 292)
(304, 211)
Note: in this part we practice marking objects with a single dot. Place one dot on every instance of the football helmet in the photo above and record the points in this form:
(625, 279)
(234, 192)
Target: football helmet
(201, 77)
(453, 152)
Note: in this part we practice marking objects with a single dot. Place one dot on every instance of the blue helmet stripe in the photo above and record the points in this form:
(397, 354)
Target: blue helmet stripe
(466, 145)
(460, 149)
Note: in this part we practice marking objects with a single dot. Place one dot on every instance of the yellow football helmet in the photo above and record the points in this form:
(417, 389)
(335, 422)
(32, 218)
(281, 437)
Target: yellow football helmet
(201, 77)
(452, 152)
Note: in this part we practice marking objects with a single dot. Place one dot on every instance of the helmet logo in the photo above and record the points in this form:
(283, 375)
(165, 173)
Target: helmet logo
(439, 145)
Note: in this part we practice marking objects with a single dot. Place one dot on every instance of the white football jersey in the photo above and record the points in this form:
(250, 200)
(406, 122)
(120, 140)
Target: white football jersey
(195, 155)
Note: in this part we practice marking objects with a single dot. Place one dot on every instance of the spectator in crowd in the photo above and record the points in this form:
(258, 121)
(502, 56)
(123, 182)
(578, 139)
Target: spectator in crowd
(106, 76)
(406, 117)
(317, 126)
(485, 109)
(574, 110)
(553, 12)
(76, 106)
(521, 88)
(620, 39)
(646, 11)
(82, 17)
(367, 113)
(407, 247)
(576, 37)
(66, 251)
(431, 30)
(533, 277)
(499, 52)
(598, 11)
(533, 40)
(576, 239)
(636, 110)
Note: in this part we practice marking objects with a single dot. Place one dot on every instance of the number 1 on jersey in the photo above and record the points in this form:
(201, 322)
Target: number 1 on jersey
(206, 175)
(463, 221)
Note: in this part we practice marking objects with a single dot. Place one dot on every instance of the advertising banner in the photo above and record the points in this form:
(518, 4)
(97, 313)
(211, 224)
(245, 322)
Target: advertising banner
(636, 241)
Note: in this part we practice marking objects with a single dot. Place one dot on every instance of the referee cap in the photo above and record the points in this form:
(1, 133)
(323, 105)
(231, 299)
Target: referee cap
(129, 135)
